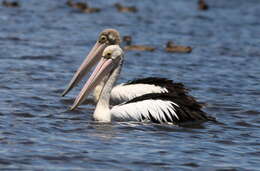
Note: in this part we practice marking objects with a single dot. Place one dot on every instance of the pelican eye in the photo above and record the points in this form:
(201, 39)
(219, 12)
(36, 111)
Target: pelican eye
(109, 54)
(103, 39)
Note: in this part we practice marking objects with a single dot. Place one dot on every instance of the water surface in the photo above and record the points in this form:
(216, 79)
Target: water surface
(43, 42)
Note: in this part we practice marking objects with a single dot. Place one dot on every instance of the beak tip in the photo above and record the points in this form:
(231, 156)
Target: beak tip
(72, 107)
(64, 92)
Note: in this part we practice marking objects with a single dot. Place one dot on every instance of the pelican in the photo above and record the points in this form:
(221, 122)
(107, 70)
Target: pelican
(153, 107)
(107, 37)
(124, 91)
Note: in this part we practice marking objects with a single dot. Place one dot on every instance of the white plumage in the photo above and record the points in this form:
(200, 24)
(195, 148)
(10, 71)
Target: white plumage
(145, 110)
(125, 92)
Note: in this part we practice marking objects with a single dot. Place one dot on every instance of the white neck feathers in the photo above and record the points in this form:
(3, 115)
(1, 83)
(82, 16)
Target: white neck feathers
(102, 111)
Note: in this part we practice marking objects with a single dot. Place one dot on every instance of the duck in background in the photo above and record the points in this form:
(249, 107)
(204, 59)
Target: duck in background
(172, 47)
(82, 6)
(121, 8)
(129, 46)
(9, 4)
(202, 5)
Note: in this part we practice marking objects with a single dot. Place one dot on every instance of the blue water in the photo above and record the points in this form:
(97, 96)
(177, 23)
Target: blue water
(42, 43)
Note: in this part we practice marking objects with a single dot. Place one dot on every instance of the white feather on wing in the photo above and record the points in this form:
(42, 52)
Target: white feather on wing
(124, 92)
(151, 109)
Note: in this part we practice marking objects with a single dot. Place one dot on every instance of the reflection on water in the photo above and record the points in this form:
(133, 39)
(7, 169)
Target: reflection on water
(43, 43)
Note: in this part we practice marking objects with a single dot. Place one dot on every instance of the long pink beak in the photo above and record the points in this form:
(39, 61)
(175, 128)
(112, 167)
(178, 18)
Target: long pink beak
(103, 68)
(92, 58)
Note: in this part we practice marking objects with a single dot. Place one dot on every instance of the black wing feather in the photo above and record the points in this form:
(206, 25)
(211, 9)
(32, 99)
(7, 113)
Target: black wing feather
(189, 109)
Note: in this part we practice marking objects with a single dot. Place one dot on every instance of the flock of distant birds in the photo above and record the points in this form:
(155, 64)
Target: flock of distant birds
(170, 46)
(120, 8)
(83, 7)
(151, 99)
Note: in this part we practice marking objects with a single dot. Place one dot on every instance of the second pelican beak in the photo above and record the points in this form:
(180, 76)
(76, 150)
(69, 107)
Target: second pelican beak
(104, 67)
(92, 58)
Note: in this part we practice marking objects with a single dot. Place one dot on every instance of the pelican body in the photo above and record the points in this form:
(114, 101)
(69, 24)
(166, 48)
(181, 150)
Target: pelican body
(125, 91)
(135, 88)
(153, 107)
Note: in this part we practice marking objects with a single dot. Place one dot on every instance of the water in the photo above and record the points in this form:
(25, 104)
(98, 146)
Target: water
(43, 42)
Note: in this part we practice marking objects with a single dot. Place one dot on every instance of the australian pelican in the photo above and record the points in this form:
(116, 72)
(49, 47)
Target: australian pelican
(124, 91)
(154, 107)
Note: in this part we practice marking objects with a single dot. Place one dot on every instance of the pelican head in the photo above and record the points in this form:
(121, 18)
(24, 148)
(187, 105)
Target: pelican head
(109, 37)
(106, 38)
(111, 57)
